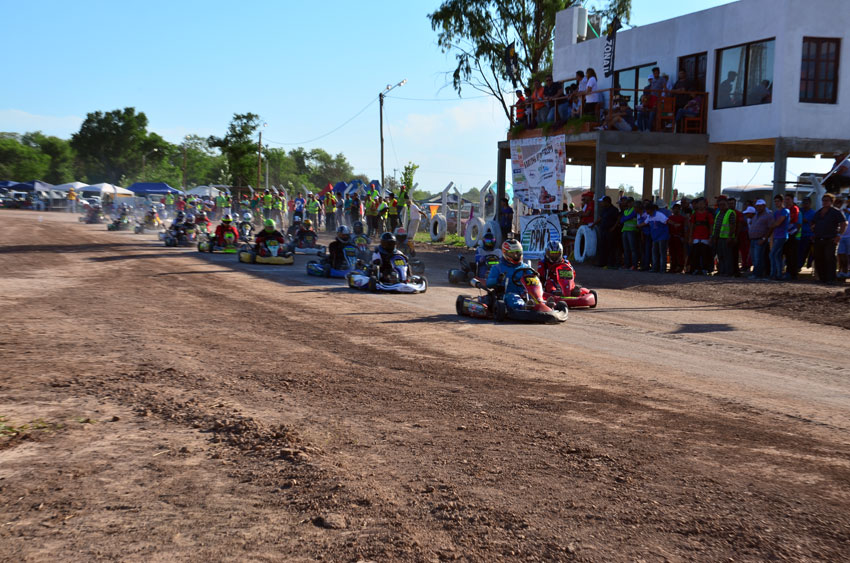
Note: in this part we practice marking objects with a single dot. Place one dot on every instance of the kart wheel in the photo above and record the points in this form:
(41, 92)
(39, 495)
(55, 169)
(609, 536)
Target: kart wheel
(373, 284)
(326, 271)
(459, 303)
(561, 306)
(500, 311)
(457, 276)
(595, 299)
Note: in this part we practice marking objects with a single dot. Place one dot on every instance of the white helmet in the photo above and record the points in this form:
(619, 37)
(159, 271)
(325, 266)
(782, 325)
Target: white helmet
(247, 217)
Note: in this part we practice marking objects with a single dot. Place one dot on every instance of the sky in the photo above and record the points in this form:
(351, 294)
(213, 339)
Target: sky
(312, 74)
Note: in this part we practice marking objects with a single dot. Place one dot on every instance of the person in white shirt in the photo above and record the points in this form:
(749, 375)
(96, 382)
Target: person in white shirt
(592, 98)
(416, 215)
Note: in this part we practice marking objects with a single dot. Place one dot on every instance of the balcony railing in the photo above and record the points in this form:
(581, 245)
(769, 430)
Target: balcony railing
(668, 111)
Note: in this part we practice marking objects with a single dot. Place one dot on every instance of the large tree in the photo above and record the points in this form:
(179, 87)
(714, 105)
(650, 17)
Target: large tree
(239, 148)
(61, 167)
(478, 32)
(111, 145)
(21, 162)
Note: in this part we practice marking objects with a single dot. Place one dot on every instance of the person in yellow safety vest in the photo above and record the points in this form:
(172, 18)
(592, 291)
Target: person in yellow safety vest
(383, 208)
(169, 202)
(724, 238)
(278, 209)
(330, 212)
(392, 212)
(72, 200)
(268, 204)
(313, 209)
(371, 215)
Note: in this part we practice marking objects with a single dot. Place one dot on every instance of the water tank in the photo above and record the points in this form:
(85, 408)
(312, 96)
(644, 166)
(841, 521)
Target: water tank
(581, 24)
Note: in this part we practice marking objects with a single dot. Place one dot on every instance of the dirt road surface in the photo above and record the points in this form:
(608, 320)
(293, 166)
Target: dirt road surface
(162, 405)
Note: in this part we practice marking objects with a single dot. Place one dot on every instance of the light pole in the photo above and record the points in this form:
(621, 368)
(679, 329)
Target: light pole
(381, 104)
(186, 138)
(144, 162)
(260, 155)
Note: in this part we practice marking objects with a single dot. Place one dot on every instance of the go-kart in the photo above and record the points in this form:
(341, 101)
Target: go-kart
(564, 289)
(491, 305)
(400, 280)
(467, 272)
(149, 224)
(306, 244)
(246, 231)
(207, 243)
(362, 241)
(324, 268)
(122, 223)
(183, 235)
(94, 216)
(271, 252)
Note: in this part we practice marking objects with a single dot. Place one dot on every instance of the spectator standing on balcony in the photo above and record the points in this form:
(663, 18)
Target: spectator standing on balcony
(681, 89)
(804, 252)
(840, 174)
(792, 244)
(538, 102)
(547, 114)
(644, 114)
(702, 223)
(506, 218)
(779, 228)
(580, 90)
(520, 114)
(592, 97)
(759, 233)
(828, 226)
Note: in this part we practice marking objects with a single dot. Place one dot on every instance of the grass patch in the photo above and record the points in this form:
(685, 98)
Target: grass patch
(451, 239)
(9, 430)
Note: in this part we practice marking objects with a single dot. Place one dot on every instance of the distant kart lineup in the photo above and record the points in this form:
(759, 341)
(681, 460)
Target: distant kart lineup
(509, 288)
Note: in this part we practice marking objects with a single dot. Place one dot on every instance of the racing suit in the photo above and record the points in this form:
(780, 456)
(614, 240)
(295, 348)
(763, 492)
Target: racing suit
(336, 256)
(384, 261)
(300, 235)
(480, 268)
(513, 292)
(557, 277)
(220, 232)
(264, 236)
(247, 227)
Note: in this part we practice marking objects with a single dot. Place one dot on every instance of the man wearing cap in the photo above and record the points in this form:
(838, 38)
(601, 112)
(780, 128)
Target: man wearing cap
(840, 177)
(724, 238)
(828, 224)
(759, 233)
(628, 220)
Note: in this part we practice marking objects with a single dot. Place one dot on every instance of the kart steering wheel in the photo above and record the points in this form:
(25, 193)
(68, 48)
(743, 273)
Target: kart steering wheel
(520, 273)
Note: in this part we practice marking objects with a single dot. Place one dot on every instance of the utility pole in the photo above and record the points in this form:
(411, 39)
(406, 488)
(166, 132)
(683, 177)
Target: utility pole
(184, 167)
(259, 157)
(381, 106)
(267, 173)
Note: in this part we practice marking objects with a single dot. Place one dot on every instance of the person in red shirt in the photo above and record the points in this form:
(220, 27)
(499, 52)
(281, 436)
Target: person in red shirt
(677, 225)
(587, 209)
(225, 227)
(702, 221)
(181, 204)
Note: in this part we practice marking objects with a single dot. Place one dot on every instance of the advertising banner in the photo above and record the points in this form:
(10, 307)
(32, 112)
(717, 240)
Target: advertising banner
(538, 166)
(535, 232)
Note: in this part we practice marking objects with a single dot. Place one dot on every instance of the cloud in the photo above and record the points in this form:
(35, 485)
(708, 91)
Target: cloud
(19, 121)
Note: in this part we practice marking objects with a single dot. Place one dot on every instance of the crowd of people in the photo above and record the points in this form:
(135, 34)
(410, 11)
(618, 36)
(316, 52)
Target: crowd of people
(553, 102)
(760, 241)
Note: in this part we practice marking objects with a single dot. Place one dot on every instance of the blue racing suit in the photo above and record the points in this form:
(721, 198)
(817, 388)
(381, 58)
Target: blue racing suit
(513, 292)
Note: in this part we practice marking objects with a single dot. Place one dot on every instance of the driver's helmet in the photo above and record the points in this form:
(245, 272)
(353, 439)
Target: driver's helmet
(227, 219)
(202, 217)
(308, 224)
(512, 251)
(358, 227)
(343, 233)
(554, 251)
(488, 241)
(152, 213)
(388, 242)
(247, 217)
(180, 217)
(190, 218)
(400, 235)
(269, 225)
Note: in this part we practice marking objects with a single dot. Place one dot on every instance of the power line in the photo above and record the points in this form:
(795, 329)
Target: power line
(349, 120)
(438, 99)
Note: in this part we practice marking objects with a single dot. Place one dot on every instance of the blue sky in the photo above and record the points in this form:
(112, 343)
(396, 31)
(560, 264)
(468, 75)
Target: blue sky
(191, 64)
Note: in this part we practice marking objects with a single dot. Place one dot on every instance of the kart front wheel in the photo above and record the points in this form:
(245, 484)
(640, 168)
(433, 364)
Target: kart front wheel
(500, 311)
(595, 299)
(459, 303)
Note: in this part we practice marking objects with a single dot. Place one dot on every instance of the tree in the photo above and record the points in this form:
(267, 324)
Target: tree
(480, 31)
(111, 145)
(61, 167)
(408, 173)
(22, 162)
(239, 148)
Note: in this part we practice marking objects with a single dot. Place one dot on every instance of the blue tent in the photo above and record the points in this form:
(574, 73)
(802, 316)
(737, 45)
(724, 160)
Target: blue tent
(31, 186)
(6, 184)
(340, 187)
(152, 188)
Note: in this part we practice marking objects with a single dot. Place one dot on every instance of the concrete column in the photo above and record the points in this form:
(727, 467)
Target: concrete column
(599, 174)
(780, 165)
(713, 174)
(501, 177)
(667, 188)
(647, 182)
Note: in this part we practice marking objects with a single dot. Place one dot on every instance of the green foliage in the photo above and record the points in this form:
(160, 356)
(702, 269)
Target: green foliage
(407, 174)
(472, 194)
(479, 31)
(420, 195)
(61, 167)
(22, 162)
(239, 148)
(451, 239)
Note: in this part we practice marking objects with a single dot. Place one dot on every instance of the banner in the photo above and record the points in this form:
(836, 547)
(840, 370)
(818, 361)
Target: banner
(610, 48)
(538, 171)
(535, 232)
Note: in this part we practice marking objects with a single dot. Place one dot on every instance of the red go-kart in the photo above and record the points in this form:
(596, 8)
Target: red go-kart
(561, 286)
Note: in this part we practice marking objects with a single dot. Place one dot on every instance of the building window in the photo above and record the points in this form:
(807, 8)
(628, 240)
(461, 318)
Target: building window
(694, 68)
(744, 75)
(633, 81)
(819, 73)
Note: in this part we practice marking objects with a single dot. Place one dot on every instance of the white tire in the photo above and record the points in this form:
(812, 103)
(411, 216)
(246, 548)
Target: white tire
(585, 244)
(492, 226)
(438, 227)
(474, 231)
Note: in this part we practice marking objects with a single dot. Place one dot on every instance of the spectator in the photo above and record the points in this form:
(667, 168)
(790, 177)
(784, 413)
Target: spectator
(681, 89)
(677, 223)
(506, 218)
(792, 244)
(416, 215)
(645, 235)
(588, 210)
(538, 102)
(693, 108)
(828, 226)
(760, 94)
(607, 222)
(657, 83)
(300, 202)
(840, 177)
(844, 247)
(660, 234)
(580, 90)
(520, 115)
(592, 98)
(644, 114)
(355, 211)
(551, 90)
(392, 212)
(290, 207)
(724, 238)
(804, 252)
(628, 220)
(330, 212)
(621, 119)
(724, 91)
(312, 207)
(702, 223)
(779, 228)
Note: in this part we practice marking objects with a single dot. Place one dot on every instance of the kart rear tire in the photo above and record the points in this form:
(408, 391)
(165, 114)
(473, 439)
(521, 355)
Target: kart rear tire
(457, 276)
(500, 311)
(595, 299)
(459, 304)
(372, 285)
(562, 307)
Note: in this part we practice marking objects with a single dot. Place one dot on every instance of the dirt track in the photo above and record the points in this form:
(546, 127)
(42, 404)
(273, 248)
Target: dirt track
(194, 408)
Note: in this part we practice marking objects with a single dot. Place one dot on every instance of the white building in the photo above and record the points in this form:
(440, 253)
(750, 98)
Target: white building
(788, 94)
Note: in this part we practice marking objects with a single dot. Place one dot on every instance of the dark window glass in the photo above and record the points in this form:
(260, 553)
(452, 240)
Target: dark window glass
(744, 75)
(819, 70)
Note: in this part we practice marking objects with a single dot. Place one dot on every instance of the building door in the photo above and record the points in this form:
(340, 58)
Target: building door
(694, 67)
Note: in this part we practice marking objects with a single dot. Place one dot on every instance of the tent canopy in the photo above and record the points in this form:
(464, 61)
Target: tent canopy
(7, 183)
(152, 188)
(211, 191)
(31, 186)
(65, 187)
(104, 189)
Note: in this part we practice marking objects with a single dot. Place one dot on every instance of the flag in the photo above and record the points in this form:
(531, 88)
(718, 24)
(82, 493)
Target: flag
(610, 47)
(511, 63)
